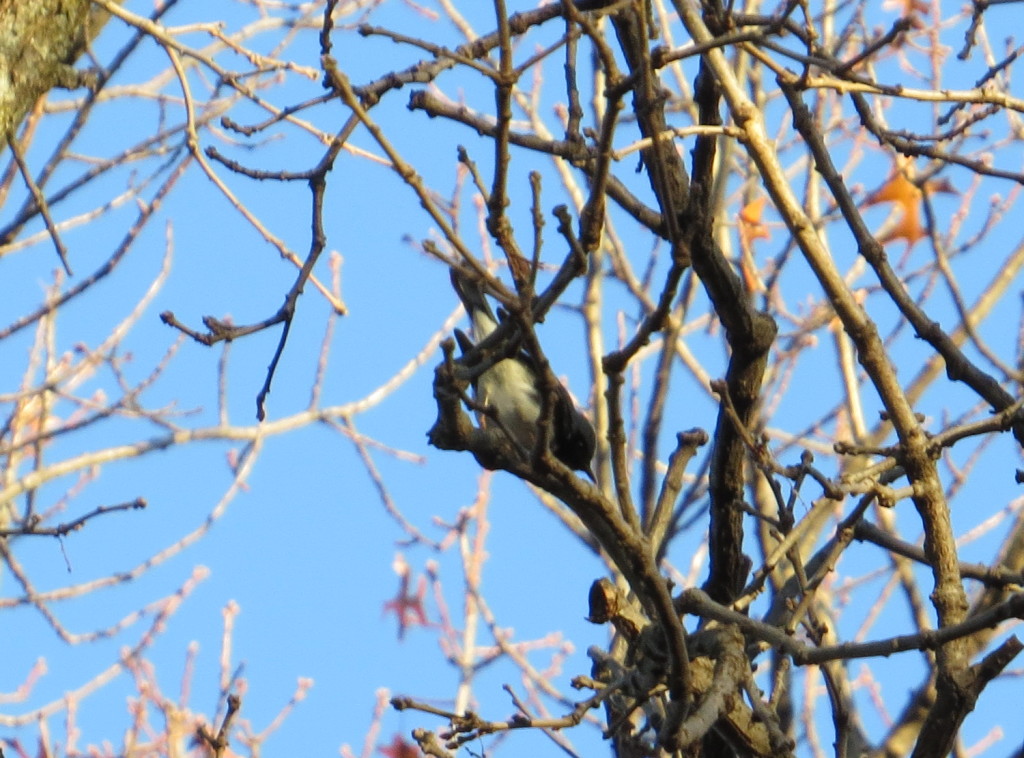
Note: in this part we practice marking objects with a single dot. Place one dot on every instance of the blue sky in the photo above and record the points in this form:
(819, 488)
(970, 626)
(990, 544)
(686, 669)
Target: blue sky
(306, 548)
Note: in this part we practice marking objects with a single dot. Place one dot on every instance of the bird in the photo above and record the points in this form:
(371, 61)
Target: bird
(511, 390)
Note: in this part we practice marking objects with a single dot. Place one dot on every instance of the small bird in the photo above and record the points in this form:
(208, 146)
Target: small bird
(510, 388)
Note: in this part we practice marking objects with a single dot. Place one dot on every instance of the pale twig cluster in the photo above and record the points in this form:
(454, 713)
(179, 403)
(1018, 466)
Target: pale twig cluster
(80, 407)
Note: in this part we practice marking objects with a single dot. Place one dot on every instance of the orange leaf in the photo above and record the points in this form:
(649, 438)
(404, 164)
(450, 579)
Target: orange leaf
(907, 196)
(898, 189)
(399, 748)
(908, 227)
(751, 227)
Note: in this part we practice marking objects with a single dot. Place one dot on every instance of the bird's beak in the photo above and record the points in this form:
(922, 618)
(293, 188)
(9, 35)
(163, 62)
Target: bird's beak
(590, 474)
